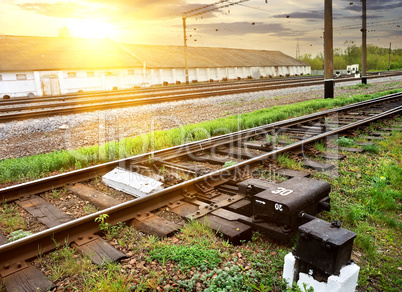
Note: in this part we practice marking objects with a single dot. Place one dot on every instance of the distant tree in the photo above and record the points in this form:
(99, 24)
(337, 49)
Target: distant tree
(315, 63)
(377, 58)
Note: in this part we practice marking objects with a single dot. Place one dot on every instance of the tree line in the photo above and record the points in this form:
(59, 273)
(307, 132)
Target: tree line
(377, 58)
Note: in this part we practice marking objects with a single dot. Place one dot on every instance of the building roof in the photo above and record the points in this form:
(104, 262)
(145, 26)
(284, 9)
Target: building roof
(21, 53)
(158, 56)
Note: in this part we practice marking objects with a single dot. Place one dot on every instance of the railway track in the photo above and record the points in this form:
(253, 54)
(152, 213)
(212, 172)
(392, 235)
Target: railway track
(21, 109)
(216, 178)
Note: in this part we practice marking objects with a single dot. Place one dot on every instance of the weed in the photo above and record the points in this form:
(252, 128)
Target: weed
(57, 193)
(320, 146)
(229, 163)
(371, 148)
(18, 234)
(345, 142)
(89, 209)
(196, 255)
(10, 218)
(230, 279)
(286, 162)
(108, 279)
(109, 230)
(65, 262)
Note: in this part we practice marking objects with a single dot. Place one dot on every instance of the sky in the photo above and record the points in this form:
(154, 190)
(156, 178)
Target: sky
(287, 26)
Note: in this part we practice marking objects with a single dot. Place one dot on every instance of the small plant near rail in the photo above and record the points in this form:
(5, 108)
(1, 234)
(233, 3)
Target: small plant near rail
(18, 234)
(287, 162)
(371, 148)
(345, 142)
(320, 146)
(66, 262)
(108, 279)
(10, 218)
(109, 230)
(187, 256)
(229, 163)
(58, 193)
(360, 86)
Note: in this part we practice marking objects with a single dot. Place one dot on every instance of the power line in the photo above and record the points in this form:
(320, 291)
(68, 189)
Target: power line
(373, 23)
(252, 7)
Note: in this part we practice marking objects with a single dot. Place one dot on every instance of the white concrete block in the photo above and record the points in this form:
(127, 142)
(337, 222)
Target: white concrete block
(309, 281)
(345, 282)
(131, 183)
(289, 270)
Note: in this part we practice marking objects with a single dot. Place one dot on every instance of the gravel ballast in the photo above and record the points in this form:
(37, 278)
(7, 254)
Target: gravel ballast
(42, 135)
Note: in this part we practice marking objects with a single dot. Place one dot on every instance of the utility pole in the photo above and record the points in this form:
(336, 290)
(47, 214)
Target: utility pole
(389, 57)
(185, 51)
(364, 44)
(328, 51)
(199, 11)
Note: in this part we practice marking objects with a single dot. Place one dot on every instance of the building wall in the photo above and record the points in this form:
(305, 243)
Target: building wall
(52, 83)
(173, 75)
(11, 86)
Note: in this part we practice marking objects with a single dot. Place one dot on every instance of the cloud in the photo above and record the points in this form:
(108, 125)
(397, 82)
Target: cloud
(64, 10)
(143, 10)
(243, 28)
(372, 5)
(308, 15)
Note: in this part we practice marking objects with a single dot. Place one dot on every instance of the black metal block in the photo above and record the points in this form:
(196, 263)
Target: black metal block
(324, 246)
(283, 203)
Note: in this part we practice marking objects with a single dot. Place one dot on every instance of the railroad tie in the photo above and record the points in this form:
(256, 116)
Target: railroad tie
(155, 225)
(95, 247)
(317, 165)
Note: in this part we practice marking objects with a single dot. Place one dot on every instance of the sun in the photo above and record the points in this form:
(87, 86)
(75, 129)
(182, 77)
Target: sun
(91, 28)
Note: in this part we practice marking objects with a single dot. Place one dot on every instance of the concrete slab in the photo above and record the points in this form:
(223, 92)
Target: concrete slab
(131, 183)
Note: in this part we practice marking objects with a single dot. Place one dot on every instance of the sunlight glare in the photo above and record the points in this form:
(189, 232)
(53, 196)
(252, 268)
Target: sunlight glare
(91, 28)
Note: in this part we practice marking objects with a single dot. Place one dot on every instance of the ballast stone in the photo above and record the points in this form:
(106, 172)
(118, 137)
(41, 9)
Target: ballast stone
(345, 282)
(131, 183)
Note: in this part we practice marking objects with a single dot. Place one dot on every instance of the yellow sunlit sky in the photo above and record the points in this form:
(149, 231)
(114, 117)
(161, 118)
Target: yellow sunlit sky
(255, 24)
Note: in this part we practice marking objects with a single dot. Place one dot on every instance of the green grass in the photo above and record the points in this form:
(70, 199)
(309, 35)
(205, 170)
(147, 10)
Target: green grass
(37, 166)
(11, 219)
(197, 248)
(320, 146)
(287, 162)
(345, 142)
(18, 234)
(187, 256)
(366, 197)
(108, 279)
(66, 262)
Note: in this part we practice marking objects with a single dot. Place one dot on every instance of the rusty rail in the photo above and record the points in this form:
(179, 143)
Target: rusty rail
(47, 240)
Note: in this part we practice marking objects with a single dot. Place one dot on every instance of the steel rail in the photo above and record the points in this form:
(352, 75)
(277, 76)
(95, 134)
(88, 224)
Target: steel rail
(47, 240)
(137, 102)
(192, 92)
(73, 108)
(154, 90)
(17, 191)
(162, 89)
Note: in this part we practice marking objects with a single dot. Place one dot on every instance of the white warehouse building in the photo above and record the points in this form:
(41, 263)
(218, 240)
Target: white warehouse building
(49, 66)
